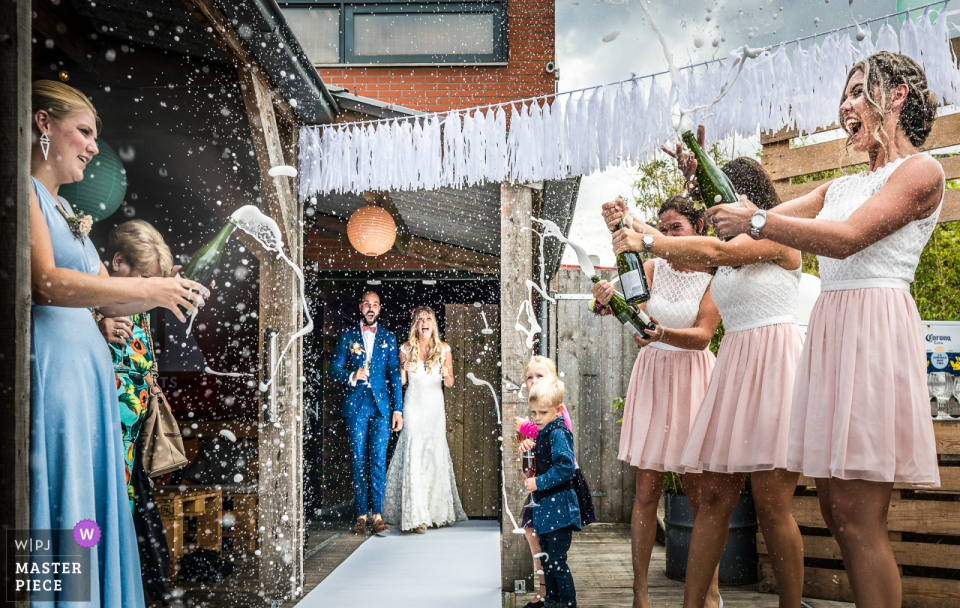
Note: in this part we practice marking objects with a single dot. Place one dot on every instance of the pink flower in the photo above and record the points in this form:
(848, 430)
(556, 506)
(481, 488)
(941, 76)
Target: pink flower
(85, 225)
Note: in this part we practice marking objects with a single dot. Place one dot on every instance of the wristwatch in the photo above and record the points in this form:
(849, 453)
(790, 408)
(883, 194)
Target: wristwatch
(647, 242)
(757, 221)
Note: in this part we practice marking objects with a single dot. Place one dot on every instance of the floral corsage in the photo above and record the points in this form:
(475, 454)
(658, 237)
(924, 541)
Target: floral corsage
(79, 224)
(599, 309)
(356, 349)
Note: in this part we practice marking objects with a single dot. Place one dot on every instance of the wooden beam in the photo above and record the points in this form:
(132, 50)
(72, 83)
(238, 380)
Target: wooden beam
(281, 434)
(426, 250)
(516, 266)
(15, 142)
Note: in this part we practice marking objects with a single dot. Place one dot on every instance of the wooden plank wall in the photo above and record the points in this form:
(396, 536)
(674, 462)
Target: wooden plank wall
(471, 418)
(595, 356)
(924, 527)
(15, 142)
(784, 163)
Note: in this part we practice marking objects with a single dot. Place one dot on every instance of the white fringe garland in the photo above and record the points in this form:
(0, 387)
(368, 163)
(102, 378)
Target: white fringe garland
(581, 132)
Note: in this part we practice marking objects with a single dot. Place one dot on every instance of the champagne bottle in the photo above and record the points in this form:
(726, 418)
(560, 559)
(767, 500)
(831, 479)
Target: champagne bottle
(632, 277)
(715, 186)
(627, 313)
(205, 260)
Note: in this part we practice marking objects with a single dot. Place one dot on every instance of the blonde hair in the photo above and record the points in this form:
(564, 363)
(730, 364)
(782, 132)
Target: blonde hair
(547, 391)
(141, 245)
(436, 345)
(544, 361)
(885, 71)
(59, 100)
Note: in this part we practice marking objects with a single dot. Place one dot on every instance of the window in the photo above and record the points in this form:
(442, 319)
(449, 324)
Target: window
(398, 32)
(318, 30)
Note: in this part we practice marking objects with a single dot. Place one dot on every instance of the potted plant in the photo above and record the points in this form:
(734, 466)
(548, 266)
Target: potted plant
(738, 566)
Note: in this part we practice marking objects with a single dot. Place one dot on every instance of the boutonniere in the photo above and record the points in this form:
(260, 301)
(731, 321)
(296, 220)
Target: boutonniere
(79, 224)
(383, 344)
(356, 349)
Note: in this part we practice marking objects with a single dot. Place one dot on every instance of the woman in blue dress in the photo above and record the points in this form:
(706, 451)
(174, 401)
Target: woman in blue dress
(76, 464)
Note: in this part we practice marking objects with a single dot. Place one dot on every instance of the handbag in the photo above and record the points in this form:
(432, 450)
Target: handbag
(161, 445)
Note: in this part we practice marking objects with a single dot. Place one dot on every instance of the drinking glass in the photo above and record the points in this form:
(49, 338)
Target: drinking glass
(529, 466)
(938, 387)
(954, 408)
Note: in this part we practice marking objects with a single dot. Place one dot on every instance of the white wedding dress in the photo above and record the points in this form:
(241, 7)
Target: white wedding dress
(421, 488)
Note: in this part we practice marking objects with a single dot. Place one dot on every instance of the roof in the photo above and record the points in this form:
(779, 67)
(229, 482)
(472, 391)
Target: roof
(169, 26)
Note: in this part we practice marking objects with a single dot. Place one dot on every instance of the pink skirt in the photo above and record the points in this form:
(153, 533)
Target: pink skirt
(861, 409)
(665, 392)
(743, 424)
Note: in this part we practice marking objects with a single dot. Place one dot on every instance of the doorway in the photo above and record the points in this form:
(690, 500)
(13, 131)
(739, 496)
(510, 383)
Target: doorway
(472, 432)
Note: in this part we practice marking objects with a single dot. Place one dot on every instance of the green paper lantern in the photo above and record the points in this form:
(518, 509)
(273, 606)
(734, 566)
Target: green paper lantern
(103, 186)
(903, 5)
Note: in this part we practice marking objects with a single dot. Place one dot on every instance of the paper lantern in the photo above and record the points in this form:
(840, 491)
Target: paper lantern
(103, 186)
(371, 231)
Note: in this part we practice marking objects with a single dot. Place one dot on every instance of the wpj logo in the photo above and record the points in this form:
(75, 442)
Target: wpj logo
(50, 565)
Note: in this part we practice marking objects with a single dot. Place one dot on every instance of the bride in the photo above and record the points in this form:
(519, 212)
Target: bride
(421, 489)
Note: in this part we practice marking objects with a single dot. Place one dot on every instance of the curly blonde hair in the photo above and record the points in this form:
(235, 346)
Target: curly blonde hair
(436, 346)
(884, 71)
(141, 245)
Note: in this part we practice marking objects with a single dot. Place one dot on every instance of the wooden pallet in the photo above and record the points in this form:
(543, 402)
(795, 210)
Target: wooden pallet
(240, 538)
(924, 534)
(176, 503)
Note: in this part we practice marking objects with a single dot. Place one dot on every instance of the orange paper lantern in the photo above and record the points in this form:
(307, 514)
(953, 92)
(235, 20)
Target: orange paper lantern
(371, 231)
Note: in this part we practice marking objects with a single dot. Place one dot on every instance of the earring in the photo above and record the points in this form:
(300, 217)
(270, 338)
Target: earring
(45, 144)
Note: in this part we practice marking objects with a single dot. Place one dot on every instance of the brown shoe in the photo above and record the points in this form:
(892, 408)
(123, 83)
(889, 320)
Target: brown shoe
(361, 526)
(377, 526)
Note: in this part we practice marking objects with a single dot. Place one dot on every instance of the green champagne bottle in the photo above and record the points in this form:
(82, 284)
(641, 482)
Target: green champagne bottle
(205, 260)
(632, 277)
(715, 186)
(626, 313)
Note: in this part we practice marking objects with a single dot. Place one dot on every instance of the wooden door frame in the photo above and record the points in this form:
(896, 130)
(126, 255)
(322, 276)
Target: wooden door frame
(15, 144)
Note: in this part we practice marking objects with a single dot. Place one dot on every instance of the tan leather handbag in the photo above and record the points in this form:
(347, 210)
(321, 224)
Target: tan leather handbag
(161, 445)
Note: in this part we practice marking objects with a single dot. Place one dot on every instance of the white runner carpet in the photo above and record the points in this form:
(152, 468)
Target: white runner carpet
(455, 566)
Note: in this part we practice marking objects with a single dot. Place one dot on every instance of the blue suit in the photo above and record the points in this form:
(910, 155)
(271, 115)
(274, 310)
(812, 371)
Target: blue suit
(368, 408)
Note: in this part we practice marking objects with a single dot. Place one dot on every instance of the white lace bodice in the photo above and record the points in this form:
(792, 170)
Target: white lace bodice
(675, 296)
(891, 261)
(756, 295)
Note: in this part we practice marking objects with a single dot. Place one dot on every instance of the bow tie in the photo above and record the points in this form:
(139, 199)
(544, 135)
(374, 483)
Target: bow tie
(370, 328)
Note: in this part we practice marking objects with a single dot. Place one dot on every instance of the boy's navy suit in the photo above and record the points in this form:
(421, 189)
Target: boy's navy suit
(368, 407)
(558, 512)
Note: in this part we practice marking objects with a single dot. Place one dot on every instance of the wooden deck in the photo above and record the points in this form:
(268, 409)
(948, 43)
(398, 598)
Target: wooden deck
(600, 561)
(325, 550)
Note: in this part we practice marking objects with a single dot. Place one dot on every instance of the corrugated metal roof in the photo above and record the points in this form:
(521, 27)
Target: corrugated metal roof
(468, 218)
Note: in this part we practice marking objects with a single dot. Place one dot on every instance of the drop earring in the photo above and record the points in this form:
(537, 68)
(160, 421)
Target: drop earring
(45, 145)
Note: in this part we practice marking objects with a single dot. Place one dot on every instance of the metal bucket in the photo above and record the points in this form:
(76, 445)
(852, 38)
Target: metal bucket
(738, 566)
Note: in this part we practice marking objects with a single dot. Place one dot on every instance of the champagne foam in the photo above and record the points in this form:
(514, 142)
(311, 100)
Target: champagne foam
(266, 231)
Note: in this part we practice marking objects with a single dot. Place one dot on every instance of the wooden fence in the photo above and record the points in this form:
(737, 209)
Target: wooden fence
(594, 357)
(788, 165)
(924, 533)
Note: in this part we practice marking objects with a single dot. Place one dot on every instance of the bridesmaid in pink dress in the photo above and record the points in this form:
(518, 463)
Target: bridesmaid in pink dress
(861, 419)
(669, 380)
(742, 425)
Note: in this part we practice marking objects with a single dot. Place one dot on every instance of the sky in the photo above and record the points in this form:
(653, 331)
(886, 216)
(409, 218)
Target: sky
(584, 59)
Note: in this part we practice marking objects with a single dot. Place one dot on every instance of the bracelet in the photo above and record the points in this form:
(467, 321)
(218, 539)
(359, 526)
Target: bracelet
(97, 317)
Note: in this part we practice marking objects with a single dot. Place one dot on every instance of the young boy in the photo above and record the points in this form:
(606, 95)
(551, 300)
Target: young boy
(557, 513)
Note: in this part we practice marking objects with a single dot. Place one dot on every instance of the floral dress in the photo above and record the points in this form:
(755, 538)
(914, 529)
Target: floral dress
(132, 364)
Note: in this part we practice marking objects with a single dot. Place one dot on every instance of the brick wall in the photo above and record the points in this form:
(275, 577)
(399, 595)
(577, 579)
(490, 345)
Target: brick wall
(332, 251)
(530, 42)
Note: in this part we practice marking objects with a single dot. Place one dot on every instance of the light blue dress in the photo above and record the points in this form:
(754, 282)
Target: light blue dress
(76, 450)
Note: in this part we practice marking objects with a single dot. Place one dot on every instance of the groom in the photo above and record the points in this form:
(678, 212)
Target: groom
(365, 360)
